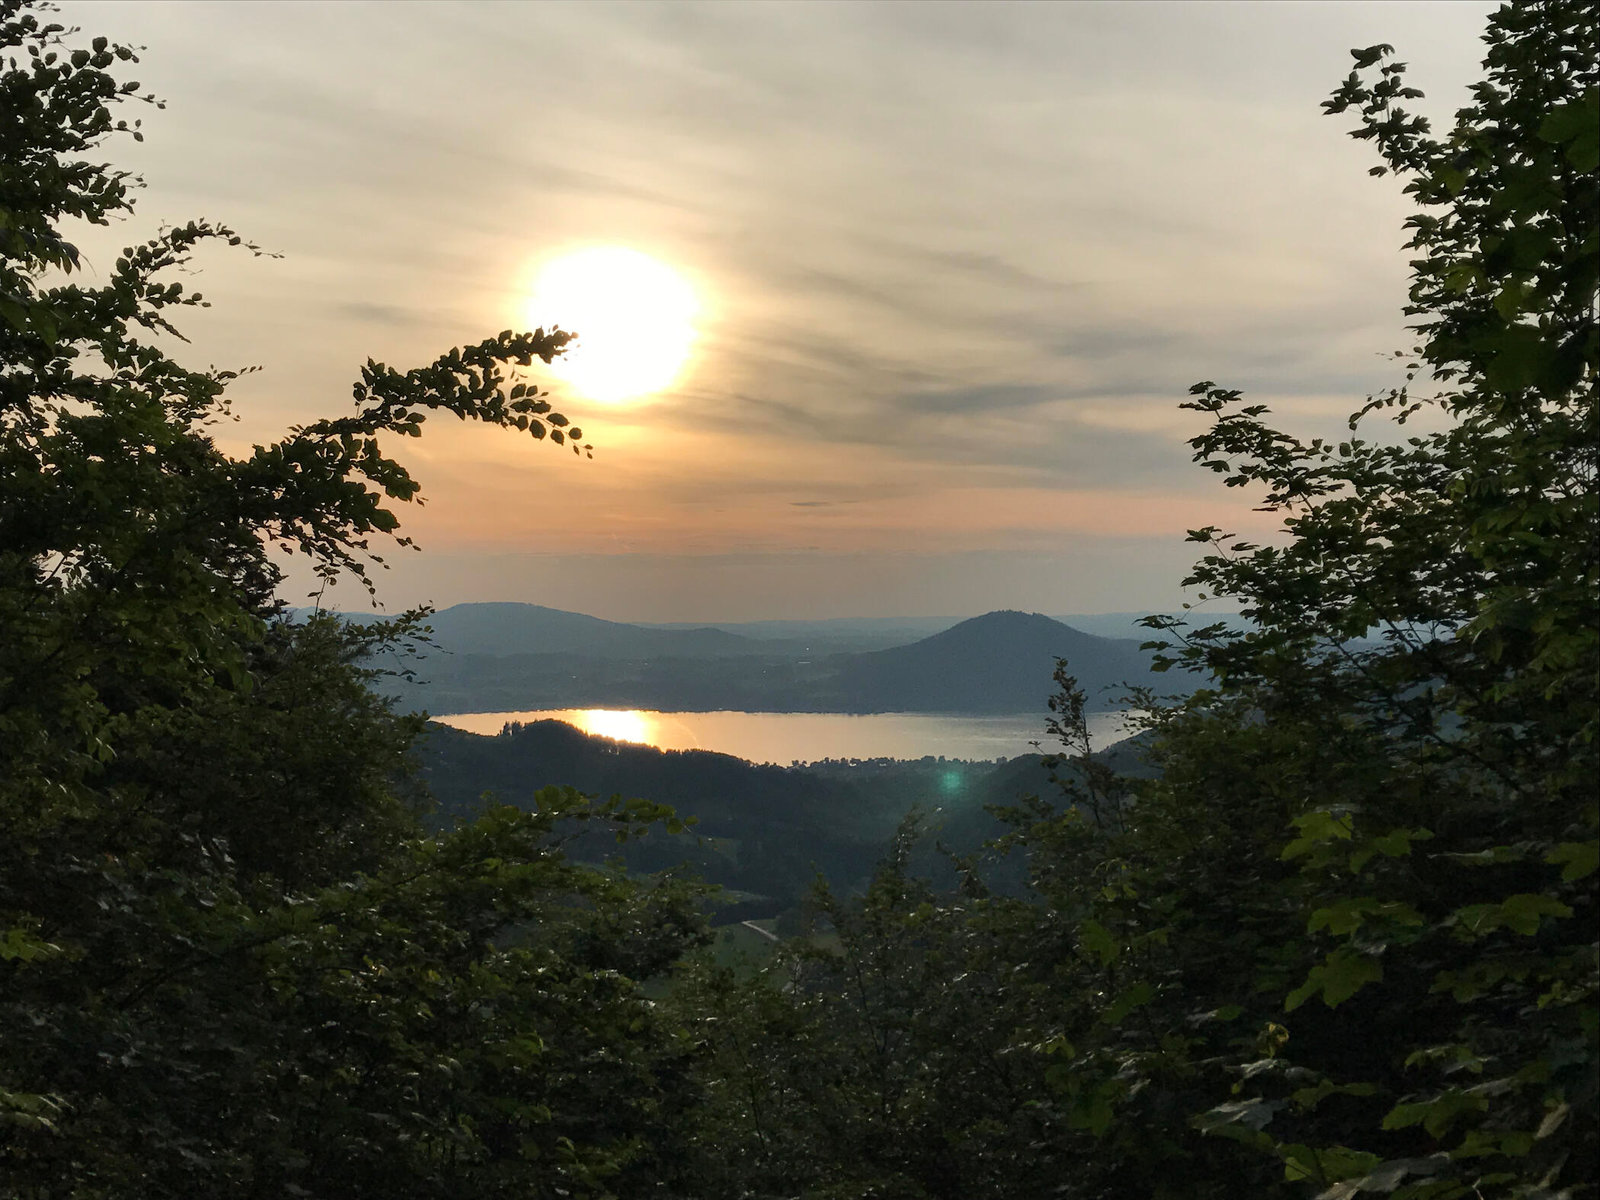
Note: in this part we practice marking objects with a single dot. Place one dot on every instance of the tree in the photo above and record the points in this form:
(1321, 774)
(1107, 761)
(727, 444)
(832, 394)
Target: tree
(1344, 943)
(1437, 1032)
(231, 962)
(1448, 849)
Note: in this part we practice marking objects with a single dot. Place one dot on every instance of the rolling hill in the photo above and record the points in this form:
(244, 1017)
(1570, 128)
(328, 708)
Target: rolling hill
(502, 629)
(503, 657)
(763, 830)
(1000, 662)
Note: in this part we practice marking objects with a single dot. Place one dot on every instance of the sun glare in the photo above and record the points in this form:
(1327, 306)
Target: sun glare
(619, 725)
(634, 317)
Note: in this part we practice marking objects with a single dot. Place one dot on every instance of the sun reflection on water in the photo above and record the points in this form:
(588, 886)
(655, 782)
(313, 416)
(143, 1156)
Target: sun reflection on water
(621, 725)
(783, 738)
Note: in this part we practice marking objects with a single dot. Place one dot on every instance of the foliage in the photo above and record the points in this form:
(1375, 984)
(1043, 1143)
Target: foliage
(1339, 942)
(1444, 853)
(231, 963)
(1345, 942)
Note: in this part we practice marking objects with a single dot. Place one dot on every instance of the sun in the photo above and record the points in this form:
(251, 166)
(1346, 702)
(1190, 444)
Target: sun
(633, 314)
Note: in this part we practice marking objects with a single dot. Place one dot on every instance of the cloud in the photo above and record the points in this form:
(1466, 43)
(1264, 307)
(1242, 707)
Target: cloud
(998, 398)
(374, 313)
(982, 247)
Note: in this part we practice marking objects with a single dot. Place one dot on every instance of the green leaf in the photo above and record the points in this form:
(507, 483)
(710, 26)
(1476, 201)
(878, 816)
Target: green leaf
(1572, 120)
(1349, 915)
(1584, 153)
(1341, 975)
(18, 945)
(1579, 858)
(1093, 1109)
(1324, 1164)
(1096, 939)
(1509, 302)
(1129, 999)
(1523, 911)
(1316, 828)
(1520, 913)
(1255, 1113)
(1438, 1113)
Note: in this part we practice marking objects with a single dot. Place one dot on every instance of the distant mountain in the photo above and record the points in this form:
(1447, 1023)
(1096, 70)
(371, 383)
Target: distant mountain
(502, 629)
(508, 657)
(832, 636)
(999, 662)
(1126, 624)
(457, 683)
(856, 634)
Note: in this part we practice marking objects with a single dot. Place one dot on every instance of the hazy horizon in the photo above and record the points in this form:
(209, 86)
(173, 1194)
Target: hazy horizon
(1200, 611)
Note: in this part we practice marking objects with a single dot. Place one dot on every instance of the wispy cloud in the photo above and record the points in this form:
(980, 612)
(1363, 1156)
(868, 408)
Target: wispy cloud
(974, 250)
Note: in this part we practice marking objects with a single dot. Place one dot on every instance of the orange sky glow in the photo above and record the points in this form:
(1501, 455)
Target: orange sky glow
(890, 308)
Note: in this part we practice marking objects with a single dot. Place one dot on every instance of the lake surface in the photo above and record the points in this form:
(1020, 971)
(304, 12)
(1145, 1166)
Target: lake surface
(785, 738)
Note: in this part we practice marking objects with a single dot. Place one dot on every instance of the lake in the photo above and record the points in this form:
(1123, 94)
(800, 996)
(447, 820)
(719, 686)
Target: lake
(785, 738)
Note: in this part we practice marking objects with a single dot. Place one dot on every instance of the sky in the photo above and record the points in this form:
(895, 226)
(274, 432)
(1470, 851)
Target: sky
(955, 267)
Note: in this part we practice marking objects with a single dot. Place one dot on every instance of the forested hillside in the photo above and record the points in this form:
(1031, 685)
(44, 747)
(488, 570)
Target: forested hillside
(1339, 941)
(765, 831)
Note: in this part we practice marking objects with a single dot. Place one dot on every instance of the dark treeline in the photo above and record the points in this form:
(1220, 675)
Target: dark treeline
(1335, 939)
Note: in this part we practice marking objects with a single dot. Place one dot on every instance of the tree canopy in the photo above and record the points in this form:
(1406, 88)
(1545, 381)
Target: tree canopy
(231, 962)
(1344, 942)
(1339, 940)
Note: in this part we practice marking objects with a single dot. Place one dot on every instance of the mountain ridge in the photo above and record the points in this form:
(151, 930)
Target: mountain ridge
(1000, 662)
(499, 628)
(1003, 661)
